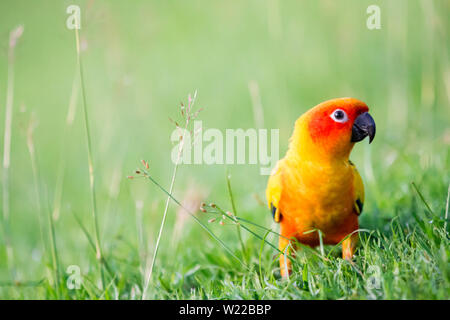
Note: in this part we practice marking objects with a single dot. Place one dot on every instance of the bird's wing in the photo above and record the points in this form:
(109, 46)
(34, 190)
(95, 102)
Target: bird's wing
(273, 192)
(358, 188)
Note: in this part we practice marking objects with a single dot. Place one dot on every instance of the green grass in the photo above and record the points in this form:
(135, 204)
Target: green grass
(139, 61)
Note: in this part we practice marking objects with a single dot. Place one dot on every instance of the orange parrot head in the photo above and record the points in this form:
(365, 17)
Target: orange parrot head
(330, 129)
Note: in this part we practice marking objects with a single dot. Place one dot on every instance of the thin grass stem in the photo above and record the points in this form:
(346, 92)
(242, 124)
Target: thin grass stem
(166, 209)
(423, 199)
(13, 38)
(260, 257)
(54, 251)
(233, 205)
(62, 163)
(99, 254)
(36, 178)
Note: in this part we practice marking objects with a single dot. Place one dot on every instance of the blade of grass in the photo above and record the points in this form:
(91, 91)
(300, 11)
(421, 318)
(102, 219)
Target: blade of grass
(423, 199)
(233, 205)
(139, 205)
(61, 166)
(54, 249)
(99, 254)
(51, 228)
(13, 38)
(260, 255)
(34, 168)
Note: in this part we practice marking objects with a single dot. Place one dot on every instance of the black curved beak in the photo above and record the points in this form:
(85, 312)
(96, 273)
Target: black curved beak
(363, 126)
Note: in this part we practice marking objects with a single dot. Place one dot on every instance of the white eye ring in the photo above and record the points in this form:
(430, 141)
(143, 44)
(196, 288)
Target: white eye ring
(339, 115)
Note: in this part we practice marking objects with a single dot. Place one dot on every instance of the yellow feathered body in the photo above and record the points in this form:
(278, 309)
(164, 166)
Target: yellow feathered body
(315, 186)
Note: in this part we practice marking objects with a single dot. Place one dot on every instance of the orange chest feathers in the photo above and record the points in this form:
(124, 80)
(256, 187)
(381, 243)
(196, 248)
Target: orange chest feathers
(317, 197)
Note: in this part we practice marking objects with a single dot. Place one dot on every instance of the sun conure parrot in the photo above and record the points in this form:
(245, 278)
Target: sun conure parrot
(315, 186)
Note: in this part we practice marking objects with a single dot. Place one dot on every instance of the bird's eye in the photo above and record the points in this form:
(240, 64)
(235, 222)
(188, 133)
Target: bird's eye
(339, 115)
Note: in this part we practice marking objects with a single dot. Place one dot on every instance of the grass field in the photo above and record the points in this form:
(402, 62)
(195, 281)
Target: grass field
(139, 60)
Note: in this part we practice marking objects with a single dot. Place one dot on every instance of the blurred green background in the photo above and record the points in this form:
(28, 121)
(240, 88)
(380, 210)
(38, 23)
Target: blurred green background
(142, 58)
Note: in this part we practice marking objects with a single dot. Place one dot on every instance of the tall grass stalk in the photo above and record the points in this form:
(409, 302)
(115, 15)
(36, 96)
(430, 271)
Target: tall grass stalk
(172, 183)
(99, 254)
(34, 168)
(62, 163)
(238, 225)
(423, 199)
(139, 205)
(13, 38)
(54, 250)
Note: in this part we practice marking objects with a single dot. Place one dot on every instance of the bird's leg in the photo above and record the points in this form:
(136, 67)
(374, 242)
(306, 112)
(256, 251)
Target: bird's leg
(285, 263)
(349, 246)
